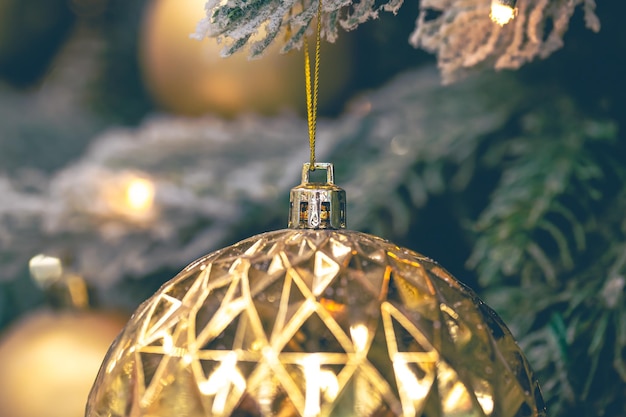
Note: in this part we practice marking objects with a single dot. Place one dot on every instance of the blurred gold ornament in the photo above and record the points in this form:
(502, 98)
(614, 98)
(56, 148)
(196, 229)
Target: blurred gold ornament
(503, 11)
(48, 360)
(188, 76)
(312, 321)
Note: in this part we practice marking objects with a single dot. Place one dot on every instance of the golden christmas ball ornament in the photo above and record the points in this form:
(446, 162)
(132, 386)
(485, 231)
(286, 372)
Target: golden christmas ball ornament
(48, 359)
(315, 320)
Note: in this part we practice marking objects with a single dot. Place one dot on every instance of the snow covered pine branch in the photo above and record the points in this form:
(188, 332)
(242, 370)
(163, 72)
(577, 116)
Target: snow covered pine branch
(460, 32)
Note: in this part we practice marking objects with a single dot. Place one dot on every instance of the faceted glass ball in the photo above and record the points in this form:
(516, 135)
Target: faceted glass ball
(304, 323)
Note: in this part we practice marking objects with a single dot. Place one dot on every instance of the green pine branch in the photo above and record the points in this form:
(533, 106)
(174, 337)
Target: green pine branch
(579, 338)
(551, 250)
(550, 178)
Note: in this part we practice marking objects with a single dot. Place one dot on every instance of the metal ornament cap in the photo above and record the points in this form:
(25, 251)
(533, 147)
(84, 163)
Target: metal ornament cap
(314, 205)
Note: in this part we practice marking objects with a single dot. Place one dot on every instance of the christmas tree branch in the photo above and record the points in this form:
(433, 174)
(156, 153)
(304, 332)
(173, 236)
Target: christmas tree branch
(529, 221)
(460, 32)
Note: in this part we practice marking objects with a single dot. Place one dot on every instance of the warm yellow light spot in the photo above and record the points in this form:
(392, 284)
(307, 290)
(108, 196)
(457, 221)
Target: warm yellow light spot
(127, 195)
(486, 402)
(501, 13)
(311, 368)
(457, 400)
(360, 336)
(332, 306)
(329, 385)
(221, 380)
(257, 345)
(168, 343)
(140, 194)
(324, 271)
(111, 365)
(411, 386)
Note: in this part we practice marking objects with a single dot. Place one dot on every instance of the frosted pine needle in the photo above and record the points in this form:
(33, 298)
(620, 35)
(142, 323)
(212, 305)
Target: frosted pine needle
(460, 32)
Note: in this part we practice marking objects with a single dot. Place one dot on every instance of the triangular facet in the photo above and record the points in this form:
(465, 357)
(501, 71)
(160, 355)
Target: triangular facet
(223, 304)
(149, 363)
(441, 274)
(339, 248)
(263, 273)
(455, 398)
(277, 304)
(181, 286)
(373, 251)
(223, 386)
(314, 335)
(466, 335)
(319, 380)
(508, 393)
(459, 332)
(236, 332)
(451, 291)
(304, 275)
(414, 381)
(411, 274)
(294, 385)
(219, 274)
(403, 291)
(226, 365)
(236, 251)
(496, 326)
(318, 238)
(483, 391)
(255, 248)
(524, 410)
(378, 356)
(212, 303)
(298, 249)
(323, 383)
(521, 370)
(223, 319)
(171, 396)
(404, 337)
(163, 316)
(384, 394)
(369, 275)
(274, 389)
(325, 269)
(359, 397)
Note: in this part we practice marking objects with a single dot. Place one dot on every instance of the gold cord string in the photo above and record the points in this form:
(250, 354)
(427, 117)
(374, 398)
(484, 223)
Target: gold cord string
(312, 91)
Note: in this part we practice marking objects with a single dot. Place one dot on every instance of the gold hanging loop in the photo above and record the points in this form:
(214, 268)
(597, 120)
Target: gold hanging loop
(312, 86)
